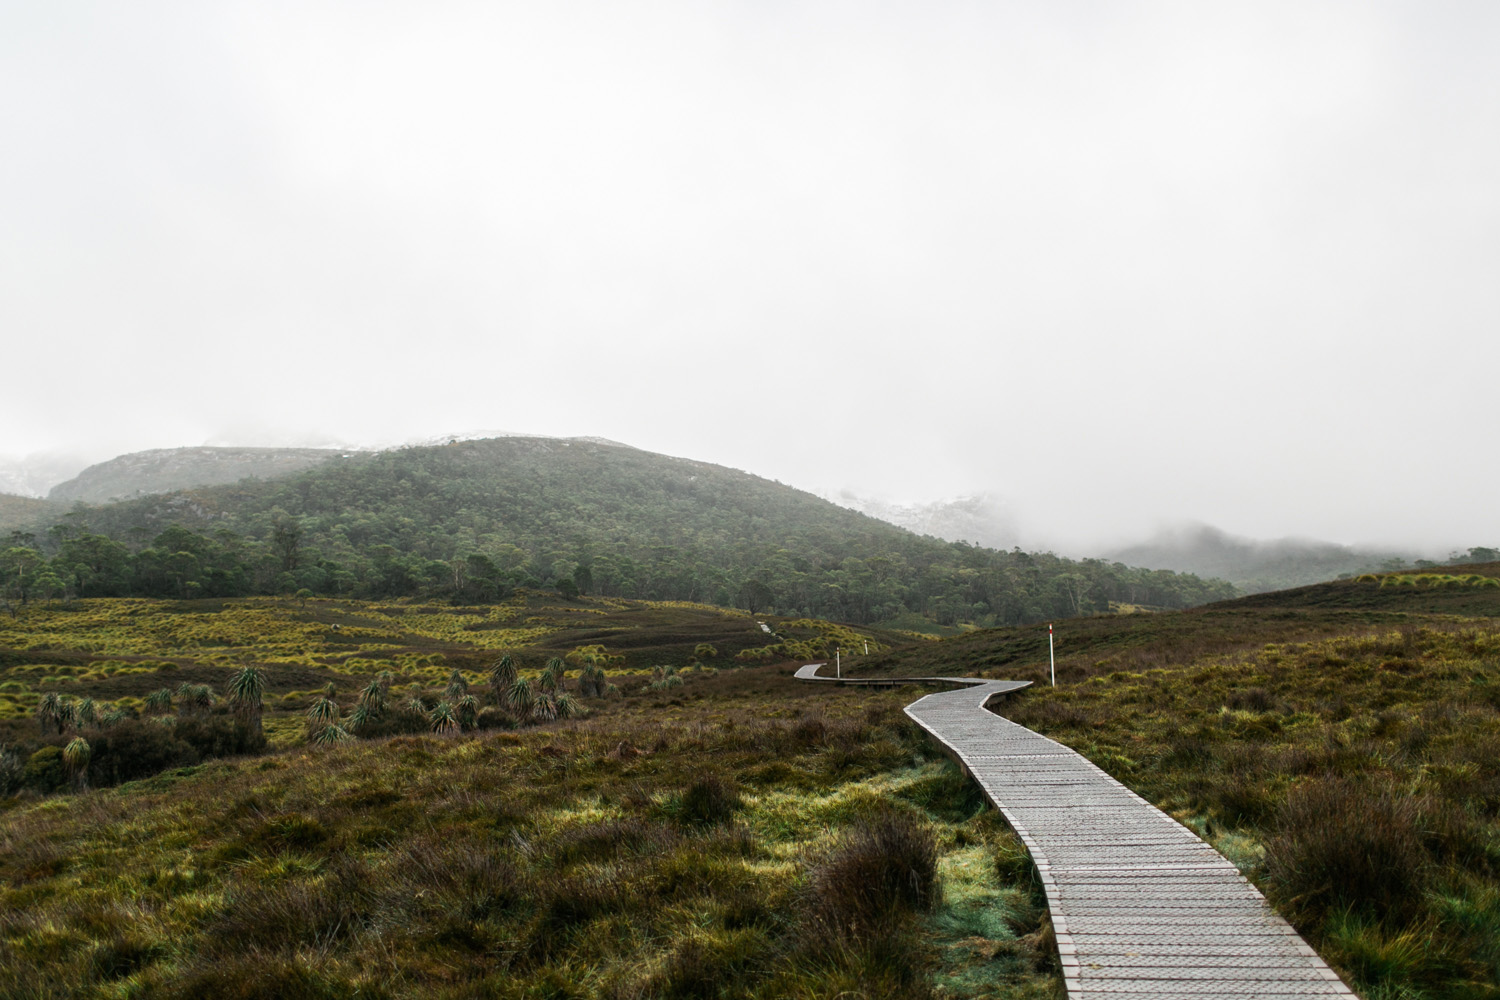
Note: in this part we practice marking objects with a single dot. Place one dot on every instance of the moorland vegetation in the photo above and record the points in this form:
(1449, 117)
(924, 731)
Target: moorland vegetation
(712, 828)
(697, 831)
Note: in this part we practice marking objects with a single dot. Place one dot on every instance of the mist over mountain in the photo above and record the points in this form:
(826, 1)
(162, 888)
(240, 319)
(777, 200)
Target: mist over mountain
(162, 470)
(983, 519)
(33, 475)
(1255, 566)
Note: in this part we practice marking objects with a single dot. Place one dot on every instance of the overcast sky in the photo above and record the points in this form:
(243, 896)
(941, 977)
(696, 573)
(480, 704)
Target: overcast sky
(1123, 262)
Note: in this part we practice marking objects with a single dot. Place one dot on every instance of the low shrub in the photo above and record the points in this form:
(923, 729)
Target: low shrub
(883, 868)
(1340, 845)
(136, 749)
(709, 801)
(1256, 699)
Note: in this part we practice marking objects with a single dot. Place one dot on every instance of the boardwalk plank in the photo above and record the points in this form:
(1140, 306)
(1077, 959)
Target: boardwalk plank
(1141, 906)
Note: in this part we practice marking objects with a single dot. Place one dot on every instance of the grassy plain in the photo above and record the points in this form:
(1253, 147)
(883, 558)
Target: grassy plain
(719, 836)
(733, 835)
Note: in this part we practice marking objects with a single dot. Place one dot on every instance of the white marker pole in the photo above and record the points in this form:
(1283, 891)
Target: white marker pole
(838, 665)
(1050, 655)
(867, 647)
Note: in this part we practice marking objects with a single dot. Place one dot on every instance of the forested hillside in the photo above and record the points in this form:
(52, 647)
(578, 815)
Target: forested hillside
(471, 520)
(17, 512)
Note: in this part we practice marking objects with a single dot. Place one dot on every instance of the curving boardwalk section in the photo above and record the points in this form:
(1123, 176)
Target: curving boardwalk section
(1141, 906)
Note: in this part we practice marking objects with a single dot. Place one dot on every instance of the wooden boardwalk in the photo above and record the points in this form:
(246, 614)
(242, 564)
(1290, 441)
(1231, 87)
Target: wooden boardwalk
(1140, 904)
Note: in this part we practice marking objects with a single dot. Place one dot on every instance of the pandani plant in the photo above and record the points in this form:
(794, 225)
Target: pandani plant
(441, 719)
(466, 710)
(502, 675)
(247, 689)
(457, 686)
(76, 757)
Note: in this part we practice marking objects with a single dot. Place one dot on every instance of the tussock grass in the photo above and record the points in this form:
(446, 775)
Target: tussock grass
(668, 845)
(1355, 778)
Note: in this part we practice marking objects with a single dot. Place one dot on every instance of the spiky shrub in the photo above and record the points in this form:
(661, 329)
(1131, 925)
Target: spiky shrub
(441, 719)
(361, 717)
(415, 703)
(159, 702)
(67, 715)
(385, 678)
(194, 699)
(49, 712)
(76, 757)
(330, 690)
(247, 689)
(466, 711)
(88, 713)
(520, 699)
(502, 675)
(323, 712)
(548, 680)
(545, 709)
(566, 707)
(373, 699)
(457, 686)
(326, 736)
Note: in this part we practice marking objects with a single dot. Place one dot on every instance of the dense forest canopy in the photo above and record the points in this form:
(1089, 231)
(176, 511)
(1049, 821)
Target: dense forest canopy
(469, 521)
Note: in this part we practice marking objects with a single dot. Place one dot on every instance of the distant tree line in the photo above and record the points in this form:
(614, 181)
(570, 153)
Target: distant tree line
(470, 523)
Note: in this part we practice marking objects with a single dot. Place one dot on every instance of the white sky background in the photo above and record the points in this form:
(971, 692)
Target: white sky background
(1122, 262)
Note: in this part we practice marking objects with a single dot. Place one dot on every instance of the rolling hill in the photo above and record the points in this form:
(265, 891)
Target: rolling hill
(468, 520)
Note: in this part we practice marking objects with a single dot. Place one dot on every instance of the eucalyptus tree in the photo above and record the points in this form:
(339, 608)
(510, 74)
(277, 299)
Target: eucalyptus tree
(247, 690)
(442, 720)
(76, 757)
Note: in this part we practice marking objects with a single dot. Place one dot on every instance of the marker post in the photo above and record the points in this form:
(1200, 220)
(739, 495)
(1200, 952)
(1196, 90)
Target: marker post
(838, 665)
(1051, 657)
